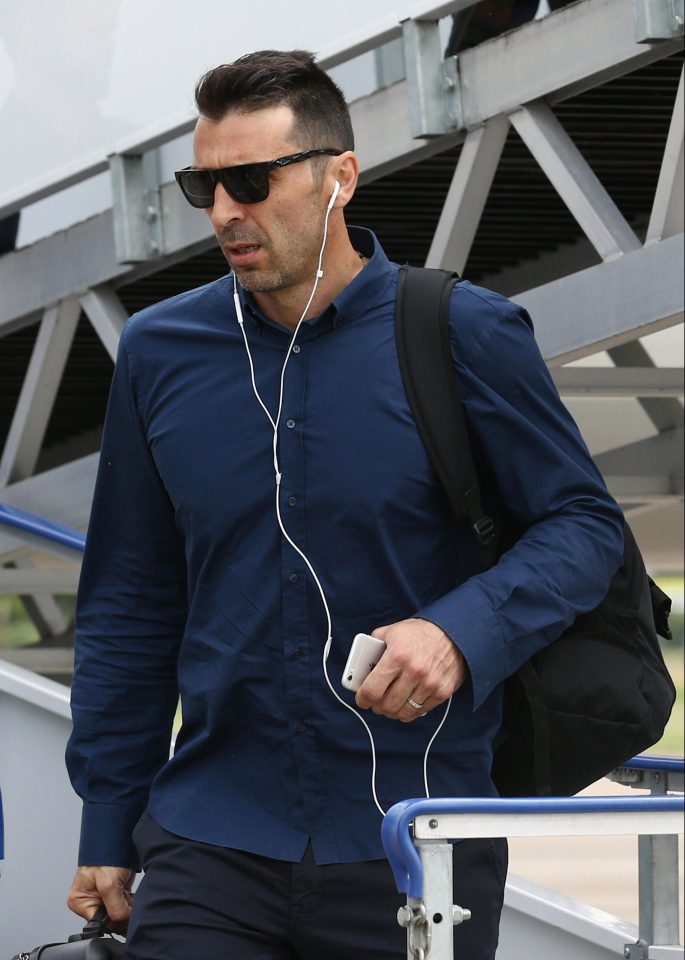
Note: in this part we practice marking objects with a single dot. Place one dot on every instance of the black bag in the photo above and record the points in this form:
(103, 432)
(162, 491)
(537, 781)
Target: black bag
(601, 692)
(92, 944)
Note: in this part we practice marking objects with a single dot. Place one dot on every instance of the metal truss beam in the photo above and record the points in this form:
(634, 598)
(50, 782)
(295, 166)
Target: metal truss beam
(619, 381)
(38, 392)
(52, 579)
(38, 658)
(663, 412)
(667, 213)
(39, 604)
(467, 195)
(650, 469)
(84, 257)
(567, 258)
(528, 64)
(382, 126)
(107, 314)
(655, 489)
(608, 304)
(602, 31)
(534, 63)
(574, 181)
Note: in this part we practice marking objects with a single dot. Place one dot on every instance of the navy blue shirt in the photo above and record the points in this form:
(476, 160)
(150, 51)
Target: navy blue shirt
(188, 585)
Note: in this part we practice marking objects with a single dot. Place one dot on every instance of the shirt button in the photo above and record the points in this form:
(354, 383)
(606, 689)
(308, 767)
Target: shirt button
(297, 653)
(301, 727)
(292, 501)
(293, 578)
(290, 424)
(296, 348)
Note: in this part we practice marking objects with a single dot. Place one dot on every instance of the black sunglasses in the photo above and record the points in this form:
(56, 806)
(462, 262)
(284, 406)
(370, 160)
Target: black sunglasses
(246, 182)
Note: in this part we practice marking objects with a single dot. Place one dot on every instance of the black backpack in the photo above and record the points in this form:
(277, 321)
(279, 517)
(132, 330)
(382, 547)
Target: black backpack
(601, 692)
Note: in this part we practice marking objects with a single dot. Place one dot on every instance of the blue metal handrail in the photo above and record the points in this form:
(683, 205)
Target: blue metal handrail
(655, 763)
(404, 857)
(38, 526)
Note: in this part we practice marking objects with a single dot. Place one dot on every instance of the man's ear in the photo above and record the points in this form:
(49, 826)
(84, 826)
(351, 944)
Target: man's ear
(346, 171)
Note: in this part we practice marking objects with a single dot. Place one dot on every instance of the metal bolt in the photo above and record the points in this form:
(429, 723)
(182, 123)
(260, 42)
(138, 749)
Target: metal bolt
(626, 952)
(405, 915)
(151, 213)
(153, 246)
(460, 915)
(433, 824)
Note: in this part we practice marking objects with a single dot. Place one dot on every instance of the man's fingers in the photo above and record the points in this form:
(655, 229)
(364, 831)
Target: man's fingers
(420, 663)
(408, 713)
(115, 900)
(94, 887)
(380, 684)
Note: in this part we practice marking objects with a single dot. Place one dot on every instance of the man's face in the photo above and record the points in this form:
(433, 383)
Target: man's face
(274, 244)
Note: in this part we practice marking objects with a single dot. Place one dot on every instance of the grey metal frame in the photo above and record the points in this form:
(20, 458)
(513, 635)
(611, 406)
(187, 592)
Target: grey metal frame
(658, 885)
(430, 915)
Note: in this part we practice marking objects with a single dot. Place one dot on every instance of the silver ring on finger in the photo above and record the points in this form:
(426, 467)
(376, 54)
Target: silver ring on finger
(414, 704)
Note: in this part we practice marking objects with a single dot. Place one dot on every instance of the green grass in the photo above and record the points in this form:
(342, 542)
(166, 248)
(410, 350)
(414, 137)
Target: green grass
(16, 630)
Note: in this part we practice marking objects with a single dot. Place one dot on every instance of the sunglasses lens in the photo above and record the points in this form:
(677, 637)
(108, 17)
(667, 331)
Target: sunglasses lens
(198, 187)
(247, 183)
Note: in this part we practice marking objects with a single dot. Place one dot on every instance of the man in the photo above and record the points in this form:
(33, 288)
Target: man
(216, 555)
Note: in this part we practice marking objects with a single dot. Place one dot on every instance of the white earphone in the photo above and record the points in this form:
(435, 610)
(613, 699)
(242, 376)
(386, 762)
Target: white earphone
(336, 191)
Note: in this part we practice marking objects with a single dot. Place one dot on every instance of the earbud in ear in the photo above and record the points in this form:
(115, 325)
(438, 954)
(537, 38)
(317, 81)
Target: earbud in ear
(336, 191)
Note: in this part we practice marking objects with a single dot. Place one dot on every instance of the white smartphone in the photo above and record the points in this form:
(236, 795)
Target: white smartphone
(365, 653)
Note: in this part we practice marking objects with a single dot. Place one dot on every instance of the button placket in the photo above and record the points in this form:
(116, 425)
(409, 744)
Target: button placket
(299, 657)
(294, 592)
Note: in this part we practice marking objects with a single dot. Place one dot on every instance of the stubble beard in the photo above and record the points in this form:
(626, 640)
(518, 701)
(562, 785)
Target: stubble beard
(261, 281)
(278, 275)
(284, 269)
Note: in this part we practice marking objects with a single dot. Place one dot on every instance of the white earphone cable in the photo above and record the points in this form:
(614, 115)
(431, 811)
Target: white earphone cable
(275, 422)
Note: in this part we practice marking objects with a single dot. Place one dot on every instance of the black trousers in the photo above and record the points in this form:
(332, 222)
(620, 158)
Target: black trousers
(202, 902)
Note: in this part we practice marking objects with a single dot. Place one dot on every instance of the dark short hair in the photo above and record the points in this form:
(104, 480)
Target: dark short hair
(270, 78)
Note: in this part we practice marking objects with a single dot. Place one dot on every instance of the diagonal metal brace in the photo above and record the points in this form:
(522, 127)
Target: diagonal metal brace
(434, 92)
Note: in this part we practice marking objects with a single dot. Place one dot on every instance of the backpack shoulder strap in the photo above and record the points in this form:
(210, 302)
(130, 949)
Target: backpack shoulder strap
(423, 344)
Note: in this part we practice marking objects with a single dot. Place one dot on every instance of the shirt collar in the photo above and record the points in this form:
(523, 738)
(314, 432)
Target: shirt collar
(365, 291)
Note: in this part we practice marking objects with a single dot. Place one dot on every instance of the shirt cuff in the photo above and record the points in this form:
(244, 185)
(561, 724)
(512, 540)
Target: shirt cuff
(469, 621)
(106, 830)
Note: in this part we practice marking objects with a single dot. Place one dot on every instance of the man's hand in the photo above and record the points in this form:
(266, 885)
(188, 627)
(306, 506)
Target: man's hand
(420, 663)
(95, 886)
